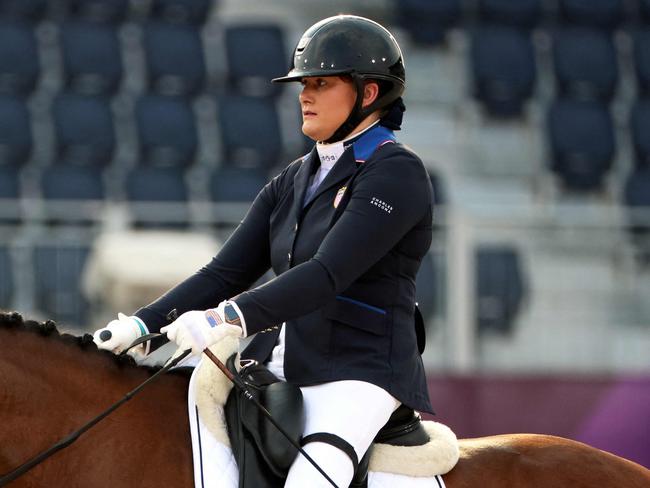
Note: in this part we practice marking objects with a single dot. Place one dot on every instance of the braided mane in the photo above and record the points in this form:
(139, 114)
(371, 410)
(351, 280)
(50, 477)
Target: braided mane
(85, 342)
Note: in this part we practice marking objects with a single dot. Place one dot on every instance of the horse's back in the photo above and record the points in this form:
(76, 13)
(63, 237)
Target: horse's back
(532, 460)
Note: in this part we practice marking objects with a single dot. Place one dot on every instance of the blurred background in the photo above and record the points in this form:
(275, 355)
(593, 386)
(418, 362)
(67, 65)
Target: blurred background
(135, 133)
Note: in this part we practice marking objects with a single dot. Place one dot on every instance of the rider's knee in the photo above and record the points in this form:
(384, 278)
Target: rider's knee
(336, 464)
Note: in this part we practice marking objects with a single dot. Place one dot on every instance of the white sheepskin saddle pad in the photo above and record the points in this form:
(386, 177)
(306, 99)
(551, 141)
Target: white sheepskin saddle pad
(437, 457)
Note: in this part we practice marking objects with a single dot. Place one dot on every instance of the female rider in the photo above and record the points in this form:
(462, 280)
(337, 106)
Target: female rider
(344, 228)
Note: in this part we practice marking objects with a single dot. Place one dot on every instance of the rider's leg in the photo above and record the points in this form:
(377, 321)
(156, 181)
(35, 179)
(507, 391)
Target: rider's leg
(352, 410)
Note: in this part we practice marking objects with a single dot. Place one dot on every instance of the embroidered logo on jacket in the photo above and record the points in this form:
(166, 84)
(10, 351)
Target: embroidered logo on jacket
(381, 204)
(339, 196)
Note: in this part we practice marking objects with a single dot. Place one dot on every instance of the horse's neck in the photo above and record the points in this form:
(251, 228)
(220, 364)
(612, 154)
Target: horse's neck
(46, 372)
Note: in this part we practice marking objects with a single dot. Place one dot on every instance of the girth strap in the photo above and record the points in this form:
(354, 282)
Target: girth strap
(336, 441)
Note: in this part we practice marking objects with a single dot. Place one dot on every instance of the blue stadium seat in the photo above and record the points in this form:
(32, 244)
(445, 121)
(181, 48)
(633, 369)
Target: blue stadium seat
(602, 14)
(57, 272)
(72, 194)
(6, 279)
(19, 59)
(65, 181)
(582, 143)
(92, 60)
(427, 22)
(167, 131)
(585, 64)
(255, 54)
(11, 212)
(15, 131)
(150, 185)
(500, 288)
(503, 68)
(642, 60)
(9, 181)
(524, 14)
(107, 11)
(84, 129)
(182, 11)
(175, 59)
(644, 10)
(636, 197)
(233, 184)
(250, 131)
(23, 10)
(639, 124)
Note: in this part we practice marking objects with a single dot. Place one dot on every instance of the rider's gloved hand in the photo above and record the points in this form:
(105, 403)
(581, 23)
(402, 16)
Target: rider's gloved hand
(197, 330)
(120, 334)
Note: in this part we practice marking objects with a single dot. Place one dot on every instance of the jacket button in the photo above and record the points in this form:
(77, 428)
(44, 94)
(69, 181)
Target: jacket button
(289, 256)
(295, 229)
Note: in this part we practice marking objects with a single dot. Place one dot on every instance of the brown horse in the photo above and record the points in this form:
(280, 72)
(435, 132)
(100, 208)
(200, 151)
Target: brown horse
(51, 384)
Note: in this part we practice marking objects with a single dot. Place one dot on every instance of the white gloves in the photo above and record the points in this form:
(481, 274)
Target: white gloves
(120, 334)
(197, 330)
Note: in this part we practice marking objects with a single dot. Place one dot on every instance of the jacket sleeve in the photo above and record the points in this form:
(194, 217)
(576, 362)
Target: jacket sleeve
(388, 199)
(243, 259)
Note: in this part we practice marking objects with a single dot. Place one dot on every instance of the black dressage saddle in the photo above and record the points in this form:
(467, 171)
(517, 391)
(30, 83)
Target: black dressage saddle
(263, 454)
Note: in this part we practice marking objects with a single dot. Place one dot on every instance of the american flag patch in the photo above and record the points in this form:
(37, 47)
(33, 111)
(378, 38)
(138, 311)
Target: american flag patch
(213, 318)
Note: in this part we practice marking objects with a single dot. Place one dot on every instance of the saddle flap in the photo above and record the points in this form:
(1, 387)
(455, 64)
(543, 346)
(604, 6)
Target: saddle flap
(284, 403)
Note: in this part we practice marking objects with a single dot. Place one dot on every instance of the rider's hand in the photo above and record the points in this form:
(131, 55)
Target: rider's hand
(197, 330)
(120, 334)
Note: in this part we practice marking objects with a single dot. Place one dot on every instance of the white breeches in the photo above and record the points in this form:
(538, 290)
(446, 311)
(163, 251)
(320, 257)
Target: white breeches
(353, 410)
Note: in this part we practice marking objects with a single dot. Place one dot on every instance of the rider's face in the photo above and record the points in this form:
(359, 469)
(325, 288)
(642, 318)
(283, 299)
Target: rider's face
(326, 102)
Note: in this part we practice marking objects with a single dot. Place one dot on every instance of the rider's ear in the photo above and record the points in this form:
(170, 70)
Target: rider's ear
(370, 92)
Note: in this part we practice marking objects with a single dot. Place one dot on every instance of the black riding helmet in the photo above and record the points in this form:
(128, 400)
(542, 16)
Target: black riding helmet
(354, 46)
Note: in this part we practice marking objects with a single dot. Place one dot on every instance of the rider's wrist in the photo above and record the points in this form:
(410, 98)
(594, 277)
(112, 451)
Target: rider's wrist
(142, 330)
(234, 307)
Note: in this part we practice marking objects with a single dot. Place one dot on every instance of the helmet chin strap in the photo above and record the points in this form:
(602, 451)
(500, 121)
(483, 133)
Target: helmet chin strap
(358, 112)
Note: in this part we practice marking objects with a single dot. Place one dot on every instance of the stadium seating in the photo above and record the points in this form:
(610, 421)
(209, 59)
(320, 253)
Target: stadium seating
(92, 60)
(255, 54)
(582, 144)
(524, 14)
(644, 10)
(147, 184)
(84, 128)
(174, 58)
(108, 11)
(636, 197)
(233, 184)
(639, 124)
(15, 131)
(182, 11)
(6, 279)
(19, 58)
(72, 194)
(10, 208)
(65, 181)
(427, 22)
(503, 69)
(500, 288)
(585, 63)
(23, 10)
(9, 182)
(642, 61)
(167, 131)
(603, 14)
(250, 131)
(57, 271)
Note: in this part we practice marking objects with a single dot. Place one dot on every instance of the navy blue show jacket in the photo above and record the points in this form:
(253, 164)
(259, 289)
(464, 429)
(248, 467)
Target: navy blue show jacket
(345, 264)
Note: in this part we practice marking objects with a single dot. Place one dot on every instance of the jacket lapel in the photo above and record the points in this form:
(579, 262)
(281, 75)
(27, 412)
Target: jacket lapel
(342, 170)
(301, 180)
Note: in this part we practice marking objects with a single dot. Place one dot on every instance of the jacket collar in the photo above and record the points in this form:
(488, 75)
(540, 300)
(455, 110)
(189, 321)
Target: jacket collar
(361, 150)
